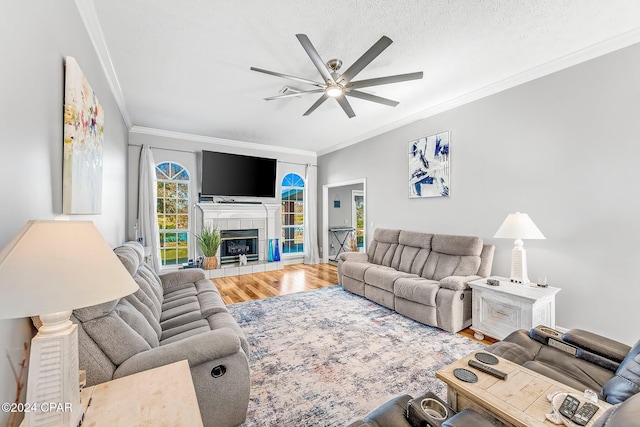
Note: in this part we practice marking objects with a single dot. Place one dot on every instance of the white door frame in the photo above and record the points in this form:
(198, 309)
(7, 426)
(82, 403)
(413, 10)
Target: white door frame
(354, 224)
(325, 212)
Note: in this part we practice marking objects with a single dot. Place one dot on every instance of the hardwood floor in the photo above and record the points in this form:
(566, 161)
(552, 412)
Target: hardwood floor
(293, 278)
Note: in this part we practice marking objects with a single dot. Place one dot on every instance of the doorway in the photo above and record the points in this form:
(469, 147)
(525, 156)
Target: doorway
(339, 213)
(357, 218)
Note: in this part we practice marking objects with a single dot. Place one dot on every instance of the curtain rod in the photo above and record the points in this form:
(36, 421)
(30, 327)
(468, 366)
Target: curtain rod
(160, 148)
(193, 152)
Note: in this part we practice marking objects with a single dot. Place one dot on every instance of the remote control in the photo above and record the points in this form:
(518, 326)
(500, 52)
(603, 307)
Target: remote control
(487, 369)
(569, 406)
(584, 414)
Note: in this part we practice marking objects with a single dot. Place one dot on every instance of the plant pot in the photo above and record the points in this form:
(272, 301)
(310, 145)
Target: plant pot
(210, 263)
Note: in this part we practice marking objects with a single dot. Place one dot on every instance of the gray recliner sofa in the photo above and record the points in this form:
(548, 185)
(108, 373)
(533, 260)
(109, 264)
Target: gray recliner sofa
(420, 275)
(175, 316)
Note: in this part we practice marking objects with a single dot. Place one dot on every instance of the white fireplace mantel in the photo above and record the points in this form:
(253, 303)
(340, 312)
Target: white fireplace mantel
(270, 212)
(265, 217)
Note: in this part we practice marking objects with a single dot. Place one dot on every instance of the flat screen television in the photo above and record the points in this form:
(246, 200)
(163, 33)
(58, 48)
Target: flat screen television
(232, 175)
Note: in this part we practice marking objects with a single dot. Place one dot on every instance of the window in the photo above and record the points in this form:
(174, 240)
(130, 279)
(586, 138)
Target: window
(173, 212)
(292, 214)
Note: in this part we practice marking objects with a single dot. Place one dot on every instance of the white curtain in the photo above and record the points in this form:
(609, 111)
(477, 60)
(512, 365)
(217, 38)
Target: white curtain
(147, 214)
(311, 215)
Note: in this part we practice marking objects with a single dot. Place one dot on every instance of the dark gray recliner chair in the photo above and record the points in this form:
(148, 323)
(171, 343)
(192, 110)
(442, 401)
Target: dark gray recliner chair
(589, 361)
(394, 414)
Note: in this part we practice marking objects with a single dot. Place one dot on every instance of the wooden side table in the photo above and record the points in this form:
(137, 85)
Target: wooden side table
(519, 401)
(163, 396)
(500, 310)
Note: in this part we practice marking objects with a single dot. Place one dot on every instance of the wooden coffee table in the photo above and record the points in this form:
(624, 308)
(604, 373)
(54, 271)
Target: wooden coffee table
(520, 400)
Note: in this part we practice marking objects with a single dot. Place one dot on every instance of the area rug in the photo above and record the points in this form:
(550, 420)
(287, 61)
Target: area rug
(327, 357)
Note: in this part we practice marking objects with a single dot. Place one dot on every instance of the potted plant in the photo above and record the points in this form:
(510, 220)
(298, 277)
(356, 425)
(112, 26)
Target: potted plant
(209, 242)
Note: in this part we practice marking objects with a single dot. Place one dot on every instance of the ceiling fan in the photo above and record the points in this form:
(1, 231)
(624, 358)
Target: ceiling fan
(339, 86)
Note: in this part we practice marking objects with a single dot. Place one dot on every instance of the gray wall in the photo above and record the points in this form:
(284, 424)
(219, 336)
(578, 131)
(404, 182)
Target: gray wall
(36, 36)
(564, 149)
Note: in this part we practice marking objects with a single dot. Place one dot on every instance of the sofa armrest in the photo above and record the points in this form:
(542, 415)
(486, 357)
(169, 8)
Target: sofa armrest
(597, 344)
(354, 256)
(177, 280)
(196, 349)
(457, 283)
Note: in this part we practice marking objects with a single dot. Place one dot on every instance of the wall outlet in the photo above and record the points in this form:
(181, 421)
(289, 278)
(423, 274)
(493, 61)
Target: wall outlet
(346, 222)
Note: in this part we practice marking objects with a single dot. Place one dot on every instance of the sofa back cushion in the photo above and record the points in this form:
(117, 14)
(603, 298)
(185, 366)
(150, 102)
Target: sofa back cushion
(383, 247)
(412, 251)
(453, 256)
(626, 382)
(149, 297)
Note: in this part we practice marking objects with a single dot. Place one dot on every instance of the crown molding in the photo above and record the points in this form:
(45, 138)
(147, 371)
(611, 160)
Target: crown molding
(599, 49)
(220, 141)
(92, 25)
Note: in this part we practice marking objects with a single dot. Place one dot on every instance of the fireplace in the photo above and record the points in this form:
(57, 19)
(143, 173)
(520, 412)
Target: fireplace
(234, 243)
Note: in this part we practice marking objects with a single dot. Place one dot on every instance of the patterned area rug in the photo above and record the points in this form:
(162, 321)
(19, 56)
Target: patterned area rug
(327, 357)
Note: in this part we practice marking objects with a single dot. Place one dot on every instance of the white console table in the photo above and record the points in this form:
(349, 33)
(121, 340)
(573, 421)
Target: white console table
(500, 310)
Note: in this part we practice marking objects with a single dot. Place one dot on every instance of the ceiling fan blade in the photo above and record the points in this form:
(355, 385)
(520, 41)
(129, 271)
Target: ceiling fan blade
(366, 58)
(373, 98)
(316, 104)
(315, 57)
(286, 76)
(291, 95)
(385, 80)
(346, 106)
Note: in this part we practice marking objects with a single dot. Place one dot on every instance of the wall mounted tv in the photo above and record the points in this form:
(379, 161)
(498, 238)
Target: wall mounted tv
(233, 175)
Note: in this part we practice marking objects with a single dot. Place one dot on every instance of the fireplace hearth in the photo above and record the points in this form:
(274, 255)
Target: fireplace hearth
(234, 243)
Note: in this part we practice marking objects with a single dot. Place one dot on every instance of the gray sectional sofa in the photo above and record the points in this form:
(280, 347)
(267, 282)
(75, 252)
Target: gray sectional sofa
(175, 316)
(420, 275)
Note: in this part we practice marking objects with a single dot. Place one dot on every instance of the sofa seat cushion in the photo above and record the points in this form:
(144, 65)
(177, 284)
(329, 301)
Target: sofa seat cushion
(384, 278)
(225, 320)
(417, 289)
(356, 270)
(211, 303)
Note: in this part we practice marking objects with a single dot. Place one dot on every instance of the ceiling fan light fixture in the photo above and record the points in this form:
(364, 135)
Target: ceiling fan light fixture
(334, 91)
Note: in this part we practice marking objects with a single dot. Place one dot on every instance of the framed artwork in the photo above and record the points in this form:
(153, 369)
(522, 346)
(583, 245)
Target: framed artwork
(83, 136)
(429, 166)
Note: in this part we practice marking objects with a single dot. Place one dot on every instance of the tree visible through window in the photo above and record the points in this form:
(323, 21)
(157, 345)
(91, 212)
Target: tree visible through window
(292, 214)
(173, 212)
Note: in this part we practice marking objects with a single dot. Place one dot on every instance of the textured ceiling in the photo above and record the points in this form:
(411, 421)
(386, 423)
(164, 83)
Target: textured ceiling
(183, 66)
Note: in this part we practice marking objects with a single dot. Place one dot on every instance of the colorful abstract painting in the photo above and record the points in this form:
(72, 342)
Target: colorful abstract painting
(83, 135)
(429, 166)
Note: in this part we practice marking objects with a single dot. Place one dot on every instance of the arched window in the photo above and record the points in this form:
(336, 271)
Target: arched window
(173, 212)
(292, 214)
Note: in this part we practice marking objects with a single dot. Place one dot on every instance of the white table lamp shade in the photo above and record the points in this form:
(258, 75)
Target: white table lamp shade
(53, 266)
(518, 226)
(49, 269)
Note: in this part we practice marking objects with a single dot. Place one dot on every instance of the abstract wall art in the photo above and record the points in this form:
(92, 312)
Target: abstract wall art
(83, 136)
(429, 166)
